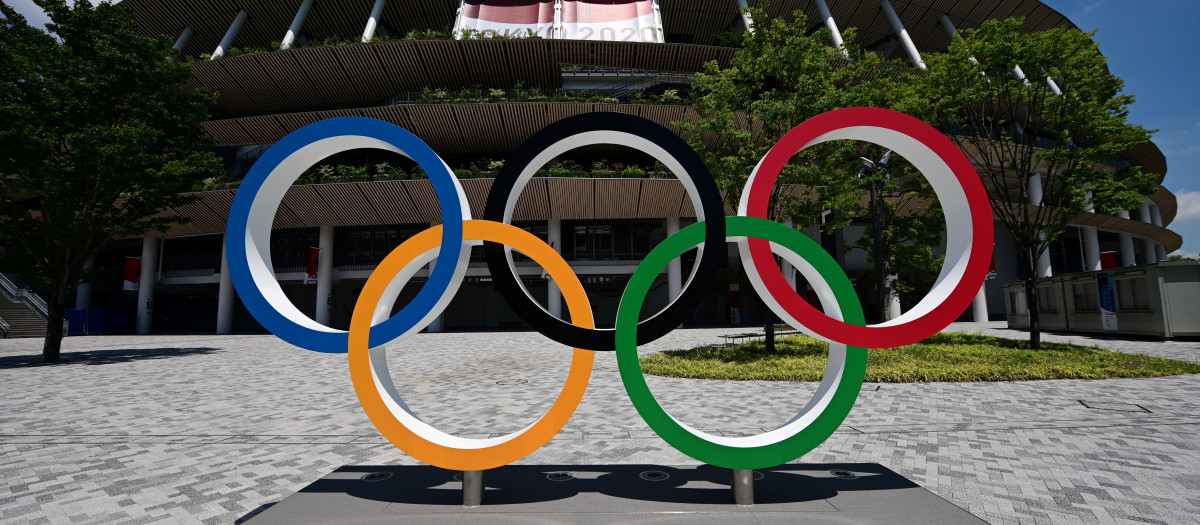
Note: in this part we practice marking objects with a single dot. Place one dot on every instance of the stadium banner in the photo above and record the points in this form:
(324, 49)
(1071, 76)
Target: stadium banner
(509, 18)
(612, 20)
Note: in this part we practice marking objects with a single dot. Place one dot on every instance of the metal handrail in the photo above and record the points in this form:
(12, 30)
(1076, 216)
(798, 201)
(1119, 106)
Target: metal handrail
(25, 296)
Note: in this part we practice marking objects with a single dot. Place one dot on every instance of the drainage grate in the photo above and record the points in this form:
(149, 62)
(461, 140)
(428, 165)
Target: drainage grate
(1118, 407)
(654, 475)
(510, 382)
(376, 476)
(843, 474)
(560, 476)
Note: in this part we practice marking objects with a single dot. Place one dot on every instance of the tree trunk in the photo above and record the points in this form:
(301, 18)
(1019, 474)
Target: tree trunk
(52, 346)
(1035, 322)
(769, 330)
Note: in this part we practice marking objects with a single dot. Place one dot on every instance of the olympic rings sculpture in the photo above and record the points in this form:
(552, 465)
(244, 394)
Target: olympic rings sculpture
(969, 244)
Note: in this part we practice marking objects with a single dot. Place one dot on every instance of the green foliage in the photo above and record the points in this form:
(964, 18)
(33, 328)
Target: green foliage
(1180, 258)
(1018, 129)
(520, 93)
(943, 357)
(783, 76)
(100, 133)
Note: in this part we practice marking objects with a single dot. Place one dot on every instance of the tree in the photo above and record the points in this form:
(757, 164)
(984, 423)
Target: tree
(100, 133)
(783, 76)
(1017, 130)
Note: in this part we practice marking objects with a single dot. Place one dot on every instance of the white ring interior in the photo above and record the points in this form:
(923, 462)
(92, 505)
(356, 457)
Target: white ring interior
(270, 196)
(383, 377)
(590, 138)
(959, 234)
(834, 369)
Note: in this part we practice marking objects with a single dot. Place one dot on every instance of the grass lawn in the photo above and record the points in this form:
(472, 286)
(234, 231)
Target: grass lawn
(943, 357)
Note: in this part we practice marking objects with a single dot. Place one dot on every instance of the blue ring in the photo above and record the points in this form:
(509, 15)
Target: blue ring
(444, 184)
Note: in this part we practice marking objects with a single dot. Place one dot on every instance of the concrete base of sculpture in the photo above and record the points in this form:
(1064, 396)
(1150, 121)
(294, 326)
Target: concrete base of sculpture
(804, 493)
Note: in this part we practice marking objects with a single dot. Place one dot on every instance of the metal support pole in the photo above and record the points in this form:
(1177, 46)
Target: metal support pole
(438, 323)
(902, 33)
(472, 487)
(324, 275)
(373, 22)
(225, 295)
(834, 34)
(146, 284)
(743, 486)
(553, 292)
(230, 35)
(184, 38)
(297, 24)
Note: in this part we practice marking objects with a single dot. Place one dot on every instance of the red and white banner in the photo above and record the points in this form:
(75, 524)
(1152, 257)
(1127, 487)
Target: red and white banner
(512, 18)
(619, 20)
(310, 270)
(133, 273)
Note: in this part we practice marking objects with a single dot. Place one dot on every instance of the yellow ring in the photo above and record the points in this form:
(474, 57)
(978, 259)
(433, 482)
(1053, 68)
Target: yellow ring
(521, 444)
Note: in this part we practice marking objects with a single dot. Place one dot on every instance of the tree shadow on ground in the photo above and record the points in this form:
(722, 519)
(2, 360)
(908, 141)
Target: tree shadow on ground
(102, 357)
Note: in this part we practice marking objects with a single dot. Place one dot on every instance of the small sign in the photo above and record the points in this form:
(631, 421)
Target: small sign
(1108, 300)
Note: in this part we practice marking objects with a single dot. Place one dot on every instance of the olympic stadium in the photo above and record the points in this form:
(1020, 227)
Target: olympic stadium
(279, 65)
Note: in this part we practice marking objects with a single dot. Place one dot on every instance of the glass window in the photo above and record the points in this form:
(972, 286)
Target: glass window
(1047, 300)
(1087, 298)
(1132, 295)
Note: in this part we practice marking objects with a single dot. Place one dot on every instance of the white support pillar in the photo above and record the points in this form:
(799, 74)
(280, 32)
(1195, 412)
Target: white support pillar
(557, 30)
(834, 33)
(1091, 248)
(1149, 252)
(659, 34)
(83, 294)
(438, 324)
(184, 37)
(1035, 199)
(324, 275)
(147, 282)
(230, 35)
(553, 292)
(225, 296)
(373, 22)
(893, 310)
(1128, 258)
(1156, 219)
(297, 24)
(675, 267)
(902, 34)
(743, 11)
(979, 310)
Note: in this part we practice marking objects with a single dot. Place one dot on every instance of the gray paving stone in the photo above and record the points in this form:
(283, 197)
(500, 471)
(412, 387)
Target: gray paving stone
(210, 429)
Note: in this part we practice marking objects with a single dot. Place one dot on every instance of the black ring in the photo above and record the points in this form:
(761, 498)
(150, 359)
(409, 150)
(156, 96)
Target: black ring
(704, 273)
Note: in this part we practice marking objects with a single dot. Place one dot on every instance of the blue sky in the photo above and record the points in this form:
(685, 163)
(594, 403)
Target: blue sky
(1151, 46)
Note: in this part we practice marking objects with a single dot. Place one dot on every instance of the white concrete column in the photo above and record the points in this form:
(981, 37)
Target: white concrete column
(557, 30)
(658, 23)
(979, 311)
(83, 294)
(438, 324)
(553, 292)
(184, 37)
(831, 24)
(324, 275)
(893, 310)
(297, 24)
(902, 34)
(1128, 257)
(1149, 252)
(1156, 218)
(230, 35)
(743, 11)
(1091, 248)
(373, 22)
(1035, 198)
(147, 282)
(225, 296)
(675, 268)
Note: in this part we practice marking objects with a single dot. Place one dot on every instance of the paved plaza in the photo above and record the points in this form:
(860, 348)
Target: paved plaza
(214, 429)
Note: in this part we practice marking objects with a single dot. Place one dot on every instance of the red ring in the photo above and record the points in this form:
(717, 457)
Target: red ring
(874, 336)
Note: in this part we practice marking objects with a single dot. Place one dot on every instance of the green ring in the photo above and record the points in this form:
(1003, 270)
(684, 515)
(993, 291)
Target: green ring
(683, 438)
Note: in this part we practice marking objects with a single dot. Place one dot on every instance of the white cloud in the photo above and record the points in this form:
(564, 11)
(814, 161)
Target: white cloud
(1189, 205)
(1094, 5)
(1190, 255)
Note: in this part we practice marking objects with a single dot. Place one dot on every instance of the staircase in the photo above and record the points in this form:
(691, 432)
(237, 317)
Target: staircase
(22, 320)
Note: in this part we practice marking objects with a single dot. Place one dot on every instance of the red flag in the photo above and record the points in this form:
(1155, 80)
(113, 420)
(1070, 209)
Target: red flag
(133, 272)
(314, 255)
